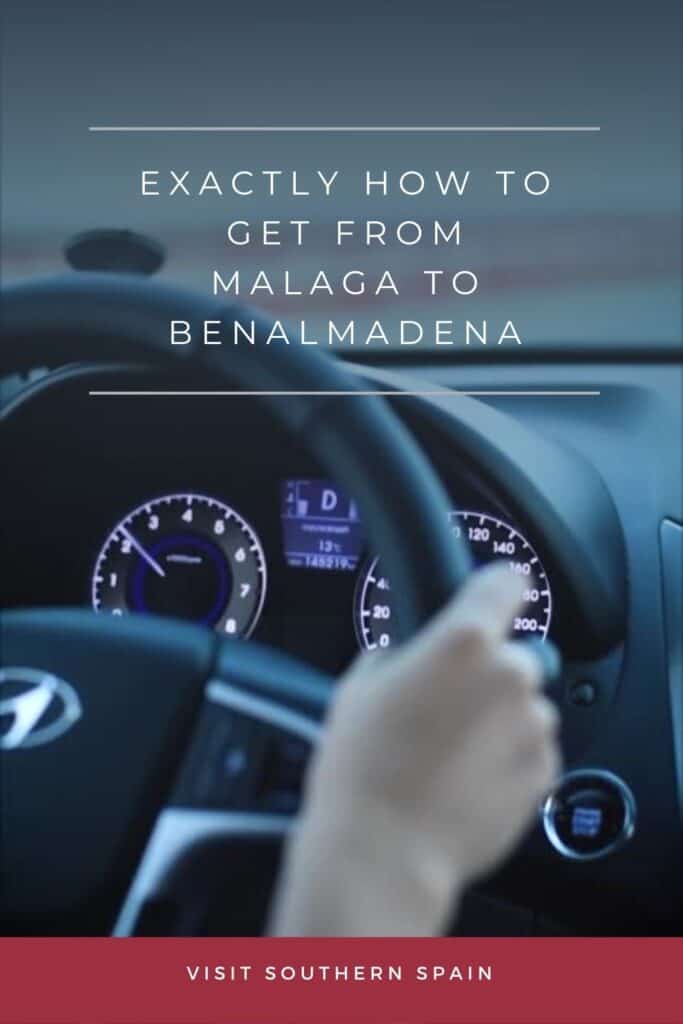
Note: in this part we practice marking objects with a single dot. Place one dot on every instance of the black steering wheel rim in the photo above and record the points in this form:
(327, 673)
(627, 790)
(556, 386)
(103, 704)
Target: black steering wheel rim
(165, 674)
(94, 317)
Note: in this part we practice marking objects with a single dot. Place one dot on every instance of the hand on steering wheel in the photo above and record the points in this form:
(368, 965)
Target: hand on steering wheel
(435, 758)
(163, 706)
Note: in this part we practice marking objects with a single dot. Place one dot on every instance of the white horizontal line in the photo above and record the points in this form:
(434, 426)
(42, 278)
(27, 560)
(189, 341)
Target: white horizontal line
(442, 392)
(236, 128)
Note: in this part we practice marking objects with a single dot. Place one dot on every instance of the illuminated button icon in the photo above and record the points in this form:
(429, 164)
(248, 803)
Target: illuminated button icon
(590, 814)
(586, 821)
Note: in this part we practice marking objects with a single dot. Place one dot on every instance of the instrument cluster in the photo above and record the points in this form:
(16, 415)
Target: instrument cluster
(194, 556)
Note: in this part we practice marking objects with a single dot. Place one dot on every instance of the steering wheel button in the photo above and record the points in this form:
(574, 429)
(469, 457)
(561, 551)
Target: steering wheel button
(235, 762)
(223, 767)
(283, 774)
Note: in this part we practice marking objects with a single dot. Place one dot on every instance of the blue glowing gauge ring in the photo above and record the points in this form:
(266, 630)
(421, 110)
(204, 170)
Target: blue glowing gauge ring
(187, 556)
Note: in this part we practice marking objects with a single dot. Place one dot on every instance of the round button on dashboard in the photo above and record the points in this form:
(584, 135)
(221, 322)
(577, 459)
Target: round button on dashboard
(590, 814)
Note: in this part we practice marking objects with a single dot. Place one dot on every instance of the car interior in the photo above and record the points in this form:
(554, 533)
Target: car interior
(200, 543)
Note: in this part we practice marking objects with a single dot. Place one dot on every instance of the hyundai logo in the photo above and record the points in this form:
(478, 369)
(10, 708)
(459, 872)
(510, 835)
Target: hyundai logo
(35, 707)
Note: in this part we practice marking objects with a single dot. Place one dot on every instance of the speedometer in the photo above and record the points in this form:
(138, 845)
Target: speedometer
(490, 539)
(184, 555)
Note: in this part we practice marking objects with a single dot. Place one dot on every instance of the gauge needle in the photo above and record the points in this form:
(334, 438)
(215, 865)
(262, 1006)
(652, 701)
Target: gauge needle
(141, 551)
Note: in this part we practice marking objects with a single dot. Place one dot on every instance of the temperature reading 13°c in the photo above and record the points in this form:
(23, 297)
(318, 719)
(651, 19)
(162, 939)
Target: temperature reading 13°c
(321, 528)
(490, 539)
(187, 556)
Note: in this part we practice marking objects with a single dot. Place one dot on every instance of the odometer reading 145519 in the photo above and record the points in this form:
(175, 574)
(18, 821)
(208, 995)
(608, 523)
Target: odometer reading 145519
(184, 555)
(490, 539)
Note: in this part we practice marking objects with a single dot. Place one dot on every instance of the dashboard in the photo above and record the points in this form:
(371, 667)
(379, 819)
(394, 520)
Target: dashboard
(192, 556)
(201, 517)
(205, 509)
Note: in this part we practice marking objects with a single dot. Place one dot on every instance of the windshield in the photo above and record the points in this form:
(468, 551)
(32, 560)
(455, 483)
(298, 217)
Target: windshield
(593, 260)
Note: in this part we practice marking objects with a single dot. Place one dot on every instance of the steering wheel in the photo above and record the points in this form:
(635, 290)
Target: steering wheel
(133, 741)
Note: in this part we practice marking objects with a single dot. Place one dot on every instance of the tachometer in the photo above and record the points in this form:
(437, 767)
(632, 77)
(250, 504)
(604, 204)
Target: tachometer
(184, 555)
(490, 539)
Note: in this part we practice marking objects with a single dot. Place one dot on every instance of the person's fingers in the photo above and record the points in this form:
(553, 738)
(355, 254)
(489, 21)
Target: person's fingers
(457, 640)
(538, 766)
(549, 657)
(514, 722)
(519, 667)
(463, 638)
(541, 727)
(483, 610)
(521, 739)
(533, 761)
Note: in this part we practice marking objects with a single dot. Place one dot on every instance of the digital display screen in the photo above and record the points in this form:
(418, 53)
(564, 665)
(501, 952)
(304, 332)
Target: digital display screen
(320, 526)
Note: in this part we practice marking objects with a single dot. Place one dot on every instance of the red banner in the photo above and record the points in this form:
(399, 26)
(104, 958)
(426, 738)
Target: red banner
(215, 981)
